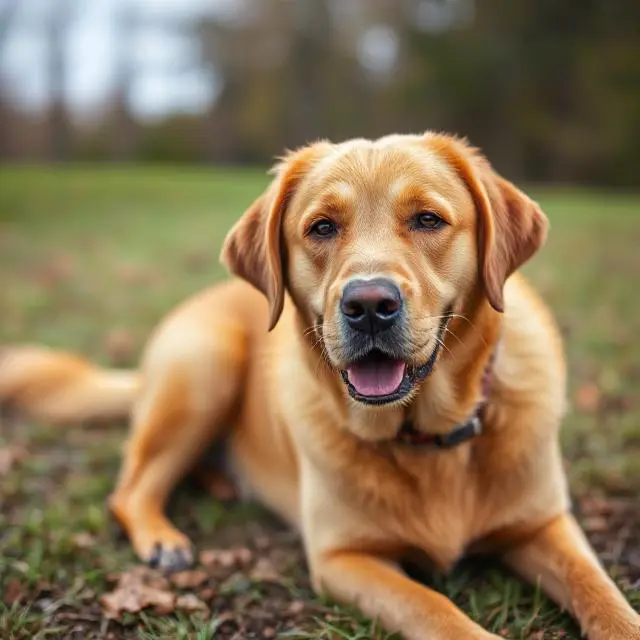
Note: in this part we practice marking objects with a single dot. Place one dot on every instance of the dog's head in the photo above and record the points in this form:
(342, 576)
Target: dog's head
(377, 243)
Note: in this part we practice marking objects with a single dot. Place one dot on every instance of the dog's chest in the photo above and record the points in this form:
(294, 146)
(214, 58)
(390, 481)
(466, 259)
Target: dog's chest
(439, 502)
(420, 500)
(440, 518)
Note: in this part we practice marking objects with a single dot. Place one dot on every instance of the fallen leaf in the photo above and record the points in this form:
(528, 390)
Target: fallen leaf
(83, 540)
(136, 590)
(244, 556)
(208, 594)
(210, 557)
(595, 505)
(190, 603)
(595, 524)
(189, 579)
(269, 632)
(262, 542)
(226, 558)
(296, 608)
(11, 455)
(587, 398)
(13, 592)
(264, 571)
(153, 578)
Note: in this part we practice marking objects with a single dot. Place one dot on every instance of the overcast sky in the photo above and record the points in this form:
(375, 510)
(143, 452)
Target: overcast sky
(91, 49)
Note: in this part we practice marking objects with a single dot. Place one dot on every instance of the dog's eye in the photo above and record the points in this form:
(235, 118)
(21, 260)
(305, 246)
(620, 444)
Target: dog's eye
(323, 229)
(427, 220)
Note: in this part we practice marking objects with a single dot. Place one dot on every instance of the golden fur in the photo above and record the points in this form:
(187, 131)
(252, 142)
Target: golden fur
(262, 358)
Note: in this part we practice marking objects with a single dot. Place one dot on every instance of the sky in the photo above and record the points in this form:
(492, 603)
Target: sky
(92, 48)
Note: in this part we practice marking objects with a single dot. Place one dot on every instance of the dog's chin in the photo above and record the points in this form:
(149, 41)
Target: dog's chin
(378, 378)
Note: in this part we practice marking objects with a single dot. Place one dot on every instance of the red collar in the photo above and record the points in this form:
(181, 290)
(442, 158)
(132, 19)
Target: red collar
(409, 435)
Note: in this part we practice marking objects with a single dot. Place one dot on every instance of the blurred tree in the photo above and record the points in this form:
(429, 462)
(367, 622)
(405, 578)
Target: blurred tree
(309, 52)
(8, 10)
(59, 21)
(551, 91)
(126, 139)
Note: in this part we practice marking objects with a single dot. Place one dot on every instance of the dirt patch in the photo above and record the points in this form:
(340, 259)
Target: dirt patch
(253, 584)
(613, 527)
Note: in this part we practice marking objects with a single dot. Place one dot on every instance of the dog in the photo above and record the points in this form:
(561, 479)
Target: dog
(382, 377)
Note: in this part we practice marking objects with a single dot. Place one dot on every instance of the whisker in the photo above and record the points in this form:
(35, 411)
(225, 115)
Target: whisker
(447, 330)
(444, 346)
(452, 315)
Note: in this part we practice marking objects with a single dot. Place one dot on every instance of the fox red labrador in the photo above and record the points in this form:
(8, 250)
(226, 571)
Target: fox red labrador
(381, 377)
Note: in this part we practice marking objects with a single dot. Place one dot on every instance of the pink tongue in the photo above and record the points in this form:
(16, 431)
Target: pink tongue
(376, 377)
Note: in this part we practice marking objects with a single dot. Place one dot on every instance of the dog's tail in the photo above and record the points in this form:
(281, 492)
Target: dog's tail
(62, 388)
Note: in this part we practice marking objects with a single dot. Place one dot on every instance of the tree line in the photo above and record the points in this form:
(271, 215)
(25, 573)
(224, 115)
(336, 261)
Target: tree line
(549, 89)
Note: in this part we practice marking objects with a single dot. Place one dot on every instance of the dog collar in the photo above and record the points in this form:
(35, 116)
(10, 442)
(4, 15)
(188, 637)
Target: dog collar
(470, 428)
(409, 435)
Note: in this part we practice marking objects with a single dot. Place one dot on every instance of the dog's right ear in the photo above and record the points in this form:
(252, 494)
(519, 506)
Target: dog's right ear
(253, 249)
(511, 226)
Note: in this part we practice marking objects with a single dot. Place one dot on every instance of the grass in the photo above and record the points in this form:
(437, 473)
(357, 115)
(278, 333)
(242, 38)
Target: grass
(90, 260)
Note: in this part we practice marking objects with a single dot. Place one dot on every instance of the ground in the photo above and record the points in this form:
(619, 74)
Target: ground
(90, 259)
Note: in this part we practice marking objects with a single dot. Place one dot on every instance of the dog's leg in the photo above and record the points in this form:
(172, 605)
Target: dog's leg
(187, 398)
(383, 592)
(560, 557)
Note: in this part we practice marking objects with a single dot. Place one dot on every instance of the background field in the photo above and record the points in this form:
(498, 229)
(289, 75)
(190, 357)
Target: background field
(91, 259)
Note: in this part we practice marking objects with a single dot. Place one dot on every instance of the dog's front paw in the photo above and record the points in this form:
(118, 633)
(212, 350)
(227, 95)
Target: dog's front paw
(171, 558)
(154, 539)
(163, 548)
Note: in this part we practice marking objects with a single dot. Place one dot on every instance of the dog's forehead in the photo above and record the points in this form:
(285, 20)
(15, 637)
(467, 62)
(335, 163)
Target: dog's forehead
(386, 167)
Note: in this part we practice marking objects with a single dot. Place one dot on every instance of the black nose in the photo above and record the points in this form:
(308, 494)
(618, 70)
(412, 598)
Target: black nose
(371, 306)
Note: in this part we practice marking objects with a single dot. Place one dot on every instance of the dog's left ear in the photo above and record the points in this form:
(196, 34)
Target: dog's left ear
(511, 226)
(253, 249)
(512, 229)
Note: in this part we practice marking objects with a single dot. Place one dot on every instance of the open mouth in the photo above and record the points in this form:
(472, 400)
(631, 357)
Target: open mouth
(380, 379)
(376, 374)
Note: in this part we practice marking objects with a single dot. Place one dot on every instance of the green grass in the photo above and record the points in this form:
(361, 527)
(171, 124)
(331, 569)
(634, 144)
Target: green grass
(92, 258)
